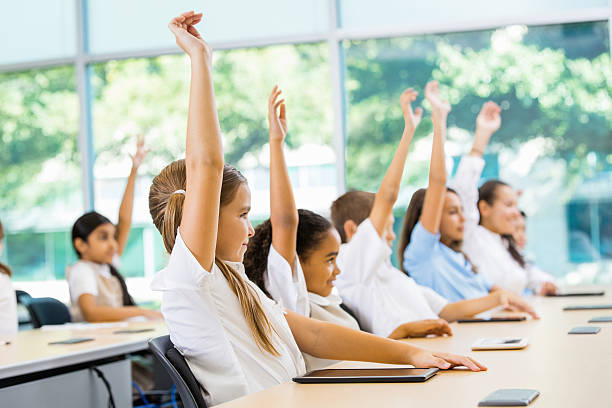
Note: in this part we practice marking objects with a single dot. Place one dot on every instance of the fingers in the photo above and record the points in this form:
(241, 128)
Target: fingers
(445, 328)
(441, 363)
(432, 89)
(418, 113)
(456, 360)
(283, 112)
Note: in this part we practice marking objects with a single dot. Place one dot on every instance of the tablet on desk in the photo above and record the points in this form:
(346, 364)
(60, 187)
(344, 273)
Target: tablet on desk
(367, 375)
(587, 307)
(577, 292)
(493, 319)
(503, 343)
(75, 340)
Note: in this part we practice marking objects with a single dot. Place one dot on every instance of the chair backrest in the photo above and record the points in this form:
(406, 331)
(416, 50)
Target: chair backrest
(46, 310)
(353, 315)
(176, 367)
(22, 296)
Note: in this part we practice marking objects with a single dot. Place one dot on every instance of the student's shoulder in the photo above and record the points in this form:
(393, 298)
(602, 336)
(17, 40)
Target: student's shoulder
(80, 269)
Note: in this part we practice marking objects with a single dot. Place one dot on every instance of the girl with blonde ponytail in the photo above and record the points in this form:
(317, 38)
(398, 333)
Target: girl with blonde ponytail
(235, 339)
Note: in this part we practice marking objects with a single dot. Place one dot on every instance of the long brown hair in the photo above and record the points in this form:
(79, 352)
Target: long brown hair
(413, 214)
(166, 209)
(4, 268)
(488, 193)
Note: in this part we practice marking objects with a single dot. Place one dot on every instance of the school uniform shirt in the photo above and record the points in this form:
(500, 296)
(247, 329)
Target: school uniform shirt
(8, 306)
(382, 296)
(206, 325)
(286, 285)
(327, 309)
(487, 250)
(95, 279)
(431, 263)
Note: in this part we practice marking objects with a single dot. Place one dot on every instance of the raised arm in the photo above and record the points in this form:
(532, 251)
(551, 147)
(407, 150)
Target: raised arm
(470, 168)
(127, 203)
(434, 196)
(389, 188)
(283, 212)
(204, 148)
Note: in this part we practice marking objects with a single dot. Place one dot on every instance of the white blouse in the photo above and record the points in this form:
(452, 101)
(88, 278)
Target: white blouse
(487, 250)
(286, 285)
(207, 326)
(8, 306)
(327, 309)
(382, 296)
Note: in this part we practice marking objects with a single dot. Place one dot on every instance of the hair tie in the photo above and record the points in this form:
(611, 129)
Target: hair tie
(179, 192)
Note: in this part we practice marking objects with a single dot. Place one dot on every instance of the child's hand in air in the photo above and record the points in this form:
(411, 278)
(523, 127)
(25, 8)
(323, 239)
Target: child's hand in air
(188, 37)
(489, 119)
(141, 152)
(411, 118)
(439, 108)
(277, 116)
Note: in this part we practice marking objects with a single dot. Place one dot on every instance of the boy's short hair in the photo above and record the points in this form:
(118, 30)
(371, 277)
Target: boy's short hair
(352, 205)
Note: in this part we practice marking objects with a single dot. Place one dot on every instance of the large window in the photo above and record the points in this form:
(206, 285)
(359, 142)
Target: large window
(149, 96)
(553, 85)
(40, 192)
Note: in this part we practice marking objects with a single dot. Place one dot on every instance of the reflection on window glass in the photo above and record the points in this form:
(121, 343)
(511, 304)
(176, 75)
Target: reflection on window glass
(150, 96)
(40, 193)
(553, 85)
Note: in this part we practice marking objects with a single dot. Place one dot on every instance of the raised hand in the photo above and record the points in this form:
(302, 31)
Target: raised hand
(489, 118)
(277, 116)
(141, 152)
(188, 37)
(426, 359)
(439, 108)
(411, 118)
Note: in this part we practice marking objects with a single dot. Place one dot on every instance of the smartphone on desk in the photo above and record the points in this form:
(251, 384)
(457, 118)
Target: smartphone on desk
(493, 319)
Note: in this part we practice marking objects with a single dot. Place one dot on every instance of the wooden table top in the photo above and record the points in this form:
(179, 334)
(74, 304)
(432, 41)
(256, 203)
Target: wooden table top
(568, 370)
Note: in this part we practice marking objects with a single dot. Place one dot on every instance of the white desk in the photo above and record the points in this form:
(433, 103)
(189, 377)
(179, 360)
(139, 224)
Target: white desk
(32, 371)
(568, 370)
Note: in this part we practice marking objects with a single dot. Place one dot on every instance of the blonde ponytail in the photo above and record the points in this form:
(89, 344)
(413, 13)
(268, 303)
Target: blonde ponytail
(166, 208)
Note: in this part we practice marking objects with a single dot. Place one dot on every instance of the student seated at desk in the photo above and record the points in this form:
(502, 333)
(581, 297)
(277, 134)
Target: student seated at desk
(490, 218)
(235, 339)
(383, 297)
(292, 237)
(97, 289)
(429, 250)
(8, 301)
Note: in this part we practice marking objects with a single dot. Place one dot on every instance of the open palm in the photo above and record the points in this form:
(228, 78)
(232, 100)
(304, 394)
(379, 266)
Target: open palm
(489, 118)
(277, 121)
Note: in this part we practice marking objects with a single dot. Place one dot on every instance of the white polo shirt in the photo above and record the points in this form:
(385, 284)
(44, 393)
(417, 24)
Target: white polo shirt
(382, 296)
(8, 306)
(286, 285)
(487, 250)
(207, 326)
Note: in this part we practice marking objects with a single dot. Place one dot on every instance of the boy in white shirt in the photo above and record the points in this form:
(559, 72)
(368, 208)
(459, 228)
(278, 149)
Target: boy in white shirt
(382, 296)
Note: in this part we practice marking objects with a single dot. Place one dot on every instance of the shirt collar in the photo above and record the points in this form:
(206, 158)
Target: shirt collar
(332, 300)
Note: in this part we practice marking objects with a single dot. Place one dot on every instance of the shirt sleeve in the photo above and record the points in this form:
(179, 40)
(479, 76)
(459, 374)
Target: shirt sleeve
(465, 183)
(197, 331)
(285, 284)
(8, 306)
(536, 277)
(81, 280)
(435, 301)
(420, 249)
(362, 255)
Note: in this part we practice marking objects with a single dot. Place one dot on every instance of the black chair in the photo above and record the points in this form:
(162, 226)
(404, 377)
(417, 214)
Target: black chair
(44, 311)
(353, 315)
(22, 296)
(25, 321)
(175, 365)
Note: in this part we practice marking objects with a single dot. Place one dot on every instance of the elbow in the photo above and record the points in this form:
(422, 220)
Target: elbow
(389, 195)
(211, 162)
(285, 221)
(438, 180)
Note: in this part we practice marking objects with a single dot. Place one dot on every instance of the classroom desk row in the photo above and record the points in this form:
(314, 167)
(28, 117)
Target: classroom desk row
(568, 370)
(36, 373)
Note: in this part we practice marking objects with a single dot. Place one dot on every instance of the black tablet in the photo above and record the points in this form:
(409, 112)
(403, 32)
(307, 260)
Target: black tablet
(587, 307)
(493, 319)
(75, 340)
(570, 293)
(367, 375)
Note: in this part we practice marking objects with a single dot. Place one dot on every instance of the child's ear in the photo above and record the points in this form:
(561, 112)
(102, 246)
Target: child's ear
(350, 228)
(484, 208)
(80, 245)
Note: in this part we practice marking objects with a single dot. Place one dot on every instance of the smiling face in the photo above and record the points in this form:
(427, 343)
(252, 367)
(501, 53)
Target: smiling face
(100, 246)
(234, 228)
(500, 216)
(319, 266)
(453, 220)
